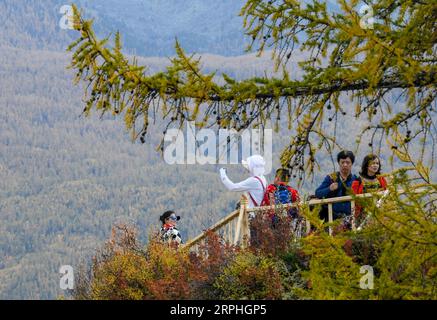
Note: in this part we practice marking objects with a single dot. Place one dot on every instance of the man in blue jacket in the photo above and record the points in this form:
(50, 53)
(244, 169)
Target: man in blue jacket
(338, 184)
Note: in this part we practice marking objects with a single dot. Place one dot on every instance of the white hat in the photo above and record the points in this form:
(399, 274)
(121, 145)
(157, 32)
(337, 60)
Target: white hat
(255, 164)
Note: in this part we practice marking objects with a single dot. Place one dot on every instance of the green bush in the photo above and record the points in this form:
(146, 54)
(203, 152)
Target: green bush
(251, 276)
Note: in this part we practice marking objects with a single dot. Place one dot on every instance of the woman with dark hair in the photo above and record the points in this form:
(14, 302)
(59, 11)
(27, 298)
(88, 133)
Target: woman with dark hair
(169, 233)
(369, 179)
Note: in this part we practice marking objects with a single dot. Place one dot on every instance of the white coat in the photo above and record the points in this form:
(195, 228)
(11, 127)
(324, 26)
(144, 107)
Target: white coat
(256, 166)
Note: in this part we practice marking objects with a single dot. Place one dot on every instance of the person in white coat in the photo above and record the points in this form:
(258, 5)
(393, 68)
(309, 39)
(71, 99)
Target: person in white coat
(254, 186)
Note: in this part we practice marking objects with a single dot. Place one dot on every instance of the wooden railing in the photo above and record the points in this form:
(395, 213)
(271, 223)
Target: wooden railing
(234, 228)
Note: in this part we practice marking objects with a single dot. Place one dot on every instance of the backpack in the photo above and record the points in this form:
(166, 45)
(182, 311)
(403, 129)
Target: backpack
(282, 195)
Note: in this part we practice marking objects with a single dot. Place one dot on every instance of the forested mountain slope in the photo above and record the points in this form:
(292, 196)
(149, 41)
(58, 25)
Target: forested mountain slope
(65, 179)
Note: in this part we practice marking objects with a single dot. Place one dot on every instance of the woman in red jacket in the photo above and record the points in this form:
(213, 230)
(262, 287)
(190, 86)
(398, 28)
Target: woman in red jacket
(369, 180)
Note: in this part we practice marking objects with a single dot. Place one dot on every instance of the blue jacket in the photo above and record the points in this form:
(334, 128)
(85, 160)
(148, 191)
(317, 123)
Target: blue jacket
(323, 192)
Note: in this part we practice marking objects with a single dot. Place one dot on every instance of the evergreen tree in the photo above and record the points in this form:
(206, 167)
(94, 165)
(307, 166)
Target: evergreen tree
(377, 64)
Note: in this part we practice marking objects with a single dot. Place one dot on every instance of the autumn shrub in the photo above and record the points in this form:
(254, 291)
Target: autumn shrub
(123, 270)
(271, 238)
(251, 276)
(208, 263)
(331, 273)
(116, 270)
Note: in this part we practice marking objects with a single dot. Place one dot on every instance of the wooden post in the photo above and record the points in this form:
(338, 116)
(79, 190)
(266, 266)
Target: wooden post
(234, 227)
(245, 231)
(229, 237)
(243, 203)
(353, 215)
(330, 217)
(224, 232)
